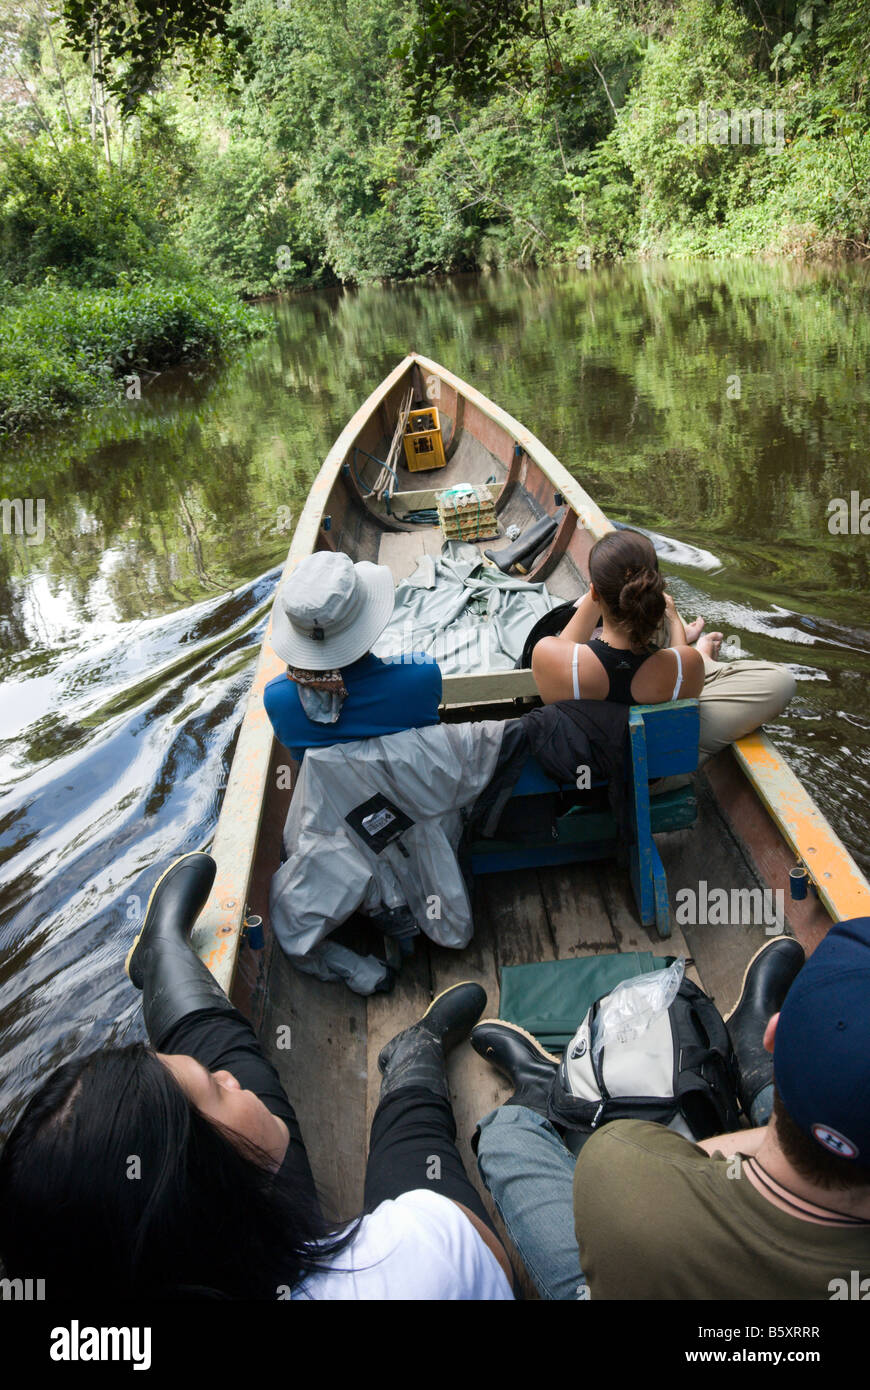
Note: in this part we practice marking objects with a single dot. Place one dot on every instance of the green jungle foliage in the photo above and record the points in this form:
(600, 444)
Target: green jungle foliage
(202, 153)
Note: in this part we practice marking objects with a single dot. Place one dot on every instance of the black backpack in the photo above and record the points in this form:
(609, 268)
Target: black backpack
(683, 1066)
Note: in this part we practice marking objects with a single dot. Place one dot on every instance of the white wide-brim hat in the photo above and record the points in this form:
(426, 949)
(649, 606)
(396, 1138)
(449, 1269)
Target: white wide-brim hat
(330, 611)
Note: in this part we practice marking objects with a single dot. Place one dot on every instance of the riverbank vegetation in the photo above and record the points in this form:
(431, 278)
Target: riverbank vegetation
(153, 172)
(63, 348)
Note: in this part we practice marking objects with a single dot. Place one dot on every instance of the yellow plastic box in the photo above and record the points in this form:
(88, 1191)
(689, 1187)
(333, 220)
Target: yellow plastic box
(424, 447)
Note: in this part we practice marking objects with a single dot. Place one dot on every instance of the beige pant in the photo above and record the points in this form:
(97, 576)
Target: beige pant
(738, 697)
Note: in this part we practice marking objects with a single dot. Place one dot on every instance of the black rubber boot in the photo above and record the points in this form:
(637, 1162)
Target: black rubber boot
(415, 1057)
(526, 546)
(766, 982)
(519, 1057)
(161, 962)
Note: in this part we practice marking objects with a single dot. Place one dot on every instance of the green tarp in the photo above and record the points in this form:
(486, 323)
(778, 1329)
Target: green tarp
(550, 998)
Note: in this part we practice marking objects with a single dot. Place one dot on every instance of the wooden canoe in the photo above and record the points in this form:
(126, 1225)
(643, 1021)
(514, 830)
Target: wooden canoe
(755, 818)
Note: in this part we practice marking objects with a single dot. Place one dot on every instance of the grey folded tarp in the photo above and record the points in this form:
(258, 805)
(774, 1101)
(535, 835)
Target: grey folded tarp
(464, 612)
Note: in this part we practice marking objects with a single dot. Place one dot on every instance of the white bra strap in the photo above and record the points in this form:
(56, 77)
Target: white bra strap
(574, 674)
(679, 673)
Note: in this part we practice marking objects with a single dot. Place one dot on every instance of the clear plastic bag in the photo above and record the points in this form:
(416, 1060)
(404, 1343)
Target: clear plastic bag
(630, 1008)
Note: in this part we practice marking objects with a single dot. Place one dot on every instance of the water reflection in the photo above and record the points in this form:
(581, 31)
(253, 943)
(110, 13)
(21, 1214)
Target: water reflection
(718, 407)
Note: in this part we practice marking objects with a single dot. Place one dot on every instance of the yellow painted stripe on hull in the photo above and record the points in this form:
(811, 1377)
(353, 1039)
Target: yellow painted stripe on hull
(842, 887)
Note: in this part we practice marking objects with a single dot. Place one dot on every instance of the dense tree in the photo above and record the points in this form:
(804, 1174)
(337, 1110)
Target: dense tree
(128, 44)
(266, 144)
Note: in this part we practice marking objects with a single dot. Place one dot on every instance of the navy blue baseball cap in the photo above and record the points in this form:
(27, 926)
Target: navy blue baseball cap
(821, 1056)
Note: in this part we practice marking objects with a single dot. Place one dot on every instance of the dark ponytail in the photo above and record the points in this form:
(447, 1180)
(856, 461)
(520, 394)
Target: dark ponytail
(625, 571)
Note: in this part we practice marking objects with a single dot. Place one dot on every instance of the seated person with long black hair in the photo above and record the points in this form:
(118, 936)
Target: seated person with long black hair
(178, 1170)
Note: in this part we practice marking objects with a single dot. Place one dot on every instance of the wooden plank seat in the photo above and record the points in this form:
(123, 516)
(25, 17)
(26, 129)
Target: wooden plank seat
(663, 742)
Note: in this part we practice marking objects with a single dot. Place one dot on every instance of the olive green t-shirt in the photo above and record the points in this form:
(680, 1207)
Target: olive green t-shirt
(657, 1217)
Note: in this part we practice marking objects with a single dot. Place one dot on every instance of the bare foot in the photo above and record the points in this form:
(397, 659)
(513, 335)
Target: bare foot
(694, 630)
(709, 645)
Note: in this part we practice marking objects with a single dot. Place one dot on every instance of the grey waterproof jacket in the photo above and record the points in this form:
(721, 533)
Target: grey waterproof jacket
(432, 777)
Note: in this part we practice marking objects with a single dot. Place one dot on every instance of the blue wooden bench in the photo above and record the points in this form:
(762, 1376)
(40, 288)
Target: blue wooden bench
(663, 741)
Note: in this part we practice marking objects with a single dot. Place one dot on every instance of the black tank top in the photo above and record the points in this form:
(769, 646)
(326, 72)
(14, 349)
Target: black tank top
(621, 667)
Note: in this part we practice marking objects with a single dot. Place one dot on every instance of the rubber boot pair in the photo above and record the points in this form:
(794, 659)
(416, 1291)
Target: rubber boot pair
(415, 1057)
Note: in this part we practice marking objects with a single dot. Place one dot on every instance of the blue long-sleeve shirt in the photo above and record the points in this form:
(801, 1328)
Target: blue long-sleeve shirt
(383, 697)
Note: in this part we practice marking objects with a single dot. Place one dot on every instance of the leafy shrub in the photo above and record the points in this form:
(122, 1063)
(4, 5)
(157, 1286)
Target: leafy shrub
(62, 348)
(64, 213)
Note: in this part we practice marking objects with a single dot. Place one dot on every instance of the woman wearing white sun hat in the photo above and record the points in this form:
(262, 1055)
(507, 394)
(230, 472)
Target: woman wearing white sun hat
(326, 619)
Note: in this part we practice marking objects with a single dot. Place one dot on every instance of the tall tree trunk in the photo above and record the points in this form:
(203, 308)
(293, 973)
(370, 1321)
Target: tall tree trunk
(98, 76)
(43, 119)
(93, 96)
(57, 69)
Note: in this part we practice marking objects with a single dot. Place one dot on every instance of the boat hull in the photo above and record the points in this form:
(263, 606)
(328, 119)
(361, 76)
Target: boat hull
(755, 818)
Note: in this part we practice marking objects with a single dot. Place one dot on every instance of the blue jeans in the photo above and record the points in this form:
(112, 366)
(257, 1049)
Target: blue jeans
(761, 1108)
(529, 1174)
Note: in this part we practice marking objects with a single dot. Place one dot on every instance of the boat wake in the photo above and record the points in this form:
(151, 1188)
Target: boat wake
(678, 552)
(118, 741)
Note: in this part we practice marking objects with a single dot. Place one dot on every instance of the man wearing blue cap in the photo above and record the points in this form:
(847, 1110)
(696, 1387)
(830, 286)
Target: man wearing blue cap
(781, 1211)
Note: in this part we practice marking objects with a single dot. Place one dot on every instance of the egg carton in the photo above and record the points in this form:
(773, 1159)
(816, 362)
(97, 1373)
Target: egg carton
(467, 513)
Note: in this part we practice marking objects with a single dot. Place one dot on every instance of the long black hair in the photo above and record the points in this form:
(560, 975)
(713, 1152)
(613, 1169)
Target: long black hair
(624, 568)
(113, 1184)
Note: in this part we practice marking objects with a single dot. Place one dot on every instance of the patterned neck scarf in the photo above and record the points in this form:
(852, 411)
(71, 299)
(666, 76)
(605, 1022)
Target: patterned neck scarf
(321, 693)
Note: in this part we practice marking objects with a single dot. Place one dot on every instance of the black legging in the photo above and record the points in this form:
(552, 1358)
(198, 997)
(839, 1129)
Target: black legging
(412, 1143)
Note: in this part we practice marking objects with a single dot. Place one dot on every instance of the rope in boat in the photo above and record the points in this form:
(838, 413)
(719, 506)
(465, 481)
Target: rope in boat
(385, 483)
(358, 450)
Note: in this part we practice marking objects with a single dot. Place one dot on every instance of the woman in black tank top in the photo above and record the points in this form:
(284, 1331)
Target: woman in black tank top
(621, 667)
(627, 595)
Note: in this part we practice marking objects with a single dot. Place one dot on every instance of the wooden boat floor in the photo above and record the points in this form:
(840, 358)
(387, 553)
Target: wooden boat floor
(400, 550)
(330, 1069)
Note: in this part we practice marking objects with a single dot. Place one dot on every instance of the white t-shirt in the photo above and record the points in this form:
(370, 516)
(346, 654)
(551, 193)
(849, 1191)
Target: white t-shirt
(419, 1246)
